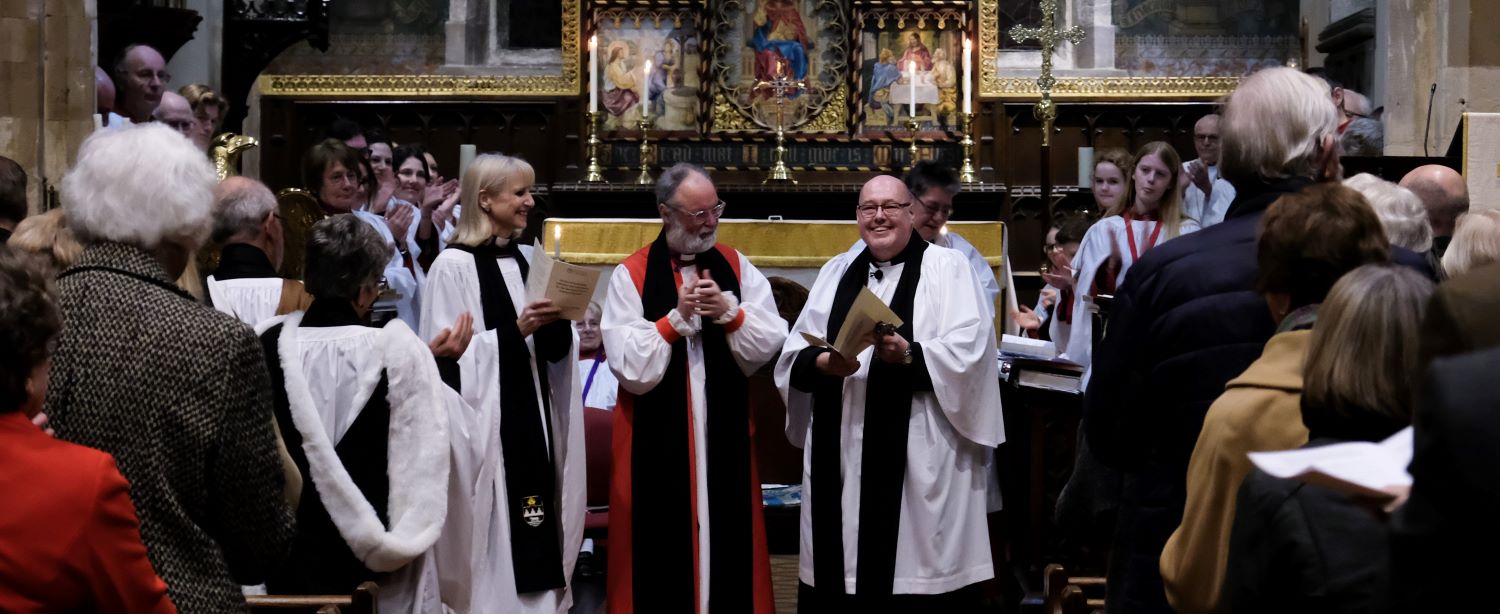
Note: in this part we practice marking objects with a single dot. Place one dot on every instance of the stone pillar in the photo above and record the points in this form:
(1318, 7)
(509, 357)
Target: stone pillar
(47, 50)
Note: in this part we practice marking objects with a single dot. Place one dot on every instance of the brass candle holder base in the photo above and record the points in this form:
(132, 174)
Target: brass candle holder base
(912, 126)
(779, 171)
(645, 177)
(594, 174)
(966, 172)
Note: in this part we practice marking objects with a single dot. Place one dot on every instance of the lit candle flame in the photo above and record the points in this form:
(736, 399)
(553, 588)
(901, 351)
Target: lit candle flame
(593, 42)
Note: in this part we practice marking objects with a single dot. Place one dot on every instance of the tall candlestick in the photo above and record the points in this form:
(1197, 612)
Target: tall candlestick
(557, 242)
(645, 89)
(594, 73)
(968, 92)
(911, 82)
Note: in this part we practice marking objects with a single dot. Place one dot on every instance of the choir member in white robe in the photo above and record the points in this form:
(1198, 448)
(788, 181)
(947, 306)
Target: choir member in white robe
(1207, 196)
(1052, 319)
(935, 185)
(686, 320)
(245, 284)
(894, 479)
(1149, 214)
(600, 388)
(336, 170)
(365, 417)
(513, 547)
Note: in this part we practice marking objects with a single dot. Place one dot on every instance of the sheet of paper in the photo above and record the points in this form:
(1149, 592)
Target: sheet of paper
(1359, 467)
(867, 311)
(569, 286)
(1023, 346)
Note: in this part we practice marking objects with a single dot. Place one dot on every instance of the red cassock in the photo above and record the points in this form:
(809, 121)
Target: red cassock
(637, 558)
(69, 537)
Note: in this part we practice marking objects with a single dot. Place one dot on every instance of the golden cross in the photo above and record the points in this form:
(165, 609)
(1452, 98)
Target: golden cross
(780, 87)
(1049, 37)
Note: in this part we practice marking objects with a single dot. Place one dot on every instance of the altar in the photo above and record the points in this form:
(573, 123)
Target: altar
(795, 250)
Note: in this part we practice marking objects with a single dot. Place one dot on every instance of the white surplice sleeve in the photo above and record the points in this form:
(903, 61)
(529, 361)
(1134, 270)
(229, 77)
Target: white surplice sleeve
(813, 321)
(638, 354)
(762, 332)
(1098, 243)
(958, 345)
(452, 289)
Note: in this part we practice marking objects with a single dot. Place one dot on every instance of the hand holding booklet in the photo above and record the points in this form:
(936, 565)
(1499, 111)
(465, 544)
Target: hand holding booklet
(569, 286)
(855, 334)
(1370, 469)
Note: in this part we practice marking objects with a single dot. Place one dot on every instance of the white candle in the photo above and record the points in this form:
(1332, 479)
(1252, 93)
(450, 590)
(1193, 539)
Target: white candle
(645, 85)
(968, 92)
(1085, 167)
(557, 241)
(911, 82)
(594, 73)
(466, 155)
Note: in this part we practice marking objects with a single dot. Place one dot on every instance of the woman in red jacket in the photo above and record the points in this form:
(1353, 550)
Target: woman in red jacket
(69, 539)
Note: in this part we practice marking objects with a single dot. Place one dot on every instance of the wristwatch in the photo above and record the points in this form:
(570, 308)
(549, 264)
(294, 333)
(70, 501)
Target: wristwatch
(906, 358)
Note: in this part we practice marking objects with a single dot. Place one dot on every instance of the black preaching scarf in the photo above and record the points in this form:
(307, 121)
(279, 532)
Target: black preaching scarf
(662, 524)
(883, 461)
(530, 470)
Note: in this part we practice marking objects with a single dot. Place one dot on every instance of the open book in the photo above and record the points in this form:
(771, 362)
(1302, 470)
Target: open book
(854, 336)
(1361, 467)
(570, 286)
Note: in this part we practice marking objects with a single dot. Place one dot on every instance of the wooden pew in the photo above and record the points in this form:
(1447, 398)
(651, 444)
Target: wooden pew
(361, 601)
(1064, 595)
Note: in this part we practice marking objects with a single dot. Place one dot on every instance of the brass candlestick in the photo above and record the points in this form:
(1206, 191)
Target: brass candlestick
(912, 125)
(780, 87)
(594, 173)
(645, 177)
(966, 172)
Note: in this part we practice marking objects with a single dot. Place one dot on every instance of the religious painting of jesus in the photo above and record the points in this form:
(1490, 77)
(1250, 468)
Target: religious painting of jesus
(668, 95)
(908, 68)
(759, 41)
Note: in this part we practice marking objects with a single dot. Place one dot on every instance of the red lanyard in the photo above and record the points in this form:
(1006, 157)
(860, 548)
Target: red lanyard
(1130, 237)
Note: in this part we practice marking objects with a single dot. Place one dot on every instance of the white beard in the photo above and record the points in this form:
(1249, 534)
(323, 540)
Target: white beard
(683, 243)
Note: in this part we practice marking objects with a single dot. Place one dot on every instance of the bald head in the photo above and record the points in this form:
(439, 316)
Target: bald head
(1444, 193)
(141, 74)
(104, 91)
(885, 216)
(176, 113)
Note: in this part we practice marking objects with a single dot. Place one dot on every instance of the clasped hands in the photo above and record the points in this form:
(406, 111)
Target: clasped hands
(702, 298)
(890, 347)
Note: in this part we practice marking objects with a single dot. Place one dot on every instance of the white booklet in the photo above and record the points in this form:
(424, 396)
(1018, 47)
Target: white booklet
(570, 286)
(1363, 468)
(854, 336)
(1031, 348)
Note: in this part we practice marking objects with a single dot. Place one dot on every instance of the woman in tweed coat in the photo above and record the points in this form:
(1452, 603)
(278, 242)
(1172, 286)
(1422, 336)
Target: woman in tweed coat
(177, 392)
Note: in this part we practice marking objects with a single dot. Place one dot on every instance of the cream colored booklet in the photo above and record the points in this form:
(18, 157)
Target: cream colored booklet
(570, 286)
(854, 336)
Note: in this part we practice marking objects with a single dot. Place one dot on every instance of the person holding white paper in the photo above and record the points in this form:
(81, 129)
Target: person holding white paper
(516, 545)
(686, 320)
(1299, 547)
(895, 468)
(1308, 239)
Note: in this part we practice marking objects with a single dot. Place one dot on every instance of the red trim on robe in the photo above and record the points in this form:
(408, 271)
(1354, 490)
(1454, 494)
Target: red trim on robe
(737, 322)
(668, 332)
(620, 589)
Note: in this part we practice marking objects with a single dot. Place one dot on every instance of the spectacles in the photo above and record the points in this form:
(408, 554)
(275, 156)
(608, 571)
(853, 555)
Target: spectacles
(1052, 248)
(180, 125)
(699, 216)
(867, 210)
(936, 209)
(343, 177)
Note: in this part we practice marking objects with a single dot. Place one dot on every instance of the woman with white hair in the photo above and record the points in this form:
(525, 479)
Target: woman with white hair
(176, 391)
(520, 539)
(1400, 211)
(1476, 242)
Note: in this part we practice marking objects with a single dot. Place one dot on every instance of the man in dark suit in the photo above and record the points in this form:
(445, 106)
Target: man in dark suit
(1444, 536)
(1189, 318)
(177, 392)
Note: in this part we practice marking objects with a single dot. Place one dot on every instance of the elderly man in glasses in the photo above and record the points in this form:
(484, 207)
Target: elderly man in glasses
(686, 320)
(898, 437)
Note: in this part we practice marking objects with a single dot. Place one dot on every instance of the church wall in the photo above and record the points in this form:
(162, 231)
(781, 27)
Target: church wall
(46, 62)
(1446, 42)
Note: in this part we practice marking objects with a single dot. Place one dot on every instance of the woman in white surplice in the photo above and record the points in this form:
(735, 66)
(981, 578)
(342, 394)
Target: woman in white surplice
(514, 546)
(365, 418)
(1149, 214)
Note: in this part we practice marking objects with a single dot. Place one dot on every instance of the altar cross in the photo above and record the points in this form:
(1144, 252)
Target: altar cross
(1049, 37)
(780, 87)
